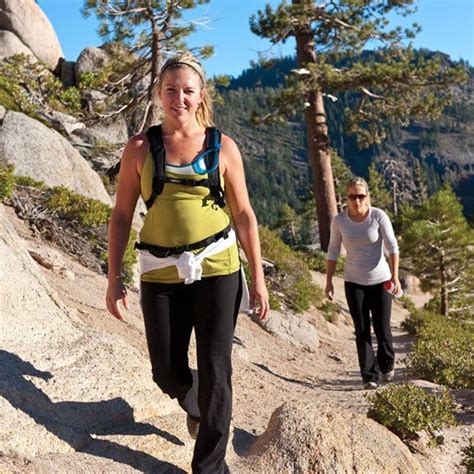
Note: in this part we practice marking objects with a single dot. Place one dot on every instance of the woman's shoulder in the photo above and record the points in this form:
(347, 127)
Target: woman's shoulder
(341, 216)
(377, 213)
(137, 142)
(230, 153)
(228, 144)
(135, 150)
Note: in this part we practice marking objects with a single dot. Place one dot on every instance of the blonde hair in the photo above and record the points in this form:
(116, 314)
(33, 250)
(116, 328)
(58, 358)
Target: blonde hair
(204, 113)
(358, 181)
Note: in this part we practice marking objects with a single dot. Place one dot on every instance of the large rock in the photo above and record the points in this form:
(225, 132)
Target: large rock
(291, 328)
(10, 45)
(111, 131)
(27, 21)
(91, 59)
(62, 384)
(306, 437)
(42, 153)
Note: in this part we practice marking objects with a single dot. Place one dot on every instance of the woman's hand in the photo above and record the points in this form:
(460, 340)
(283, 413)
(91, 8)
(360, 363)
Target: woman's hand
(116, 291)
(259, 300)
(329, 290)
(396, 282)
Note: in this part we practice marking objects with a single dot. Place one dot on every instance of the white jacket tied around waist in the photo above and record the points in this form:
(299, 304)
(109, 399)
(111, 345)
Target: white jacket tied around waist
(189, 265)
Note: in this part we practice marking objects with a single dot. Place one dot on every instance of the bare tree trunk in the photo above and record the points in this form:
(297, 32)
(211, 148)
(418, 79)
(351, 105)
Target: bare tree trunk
(293, 233)
(318, 139)
(444, 287)
(154, 110)
(394, 196)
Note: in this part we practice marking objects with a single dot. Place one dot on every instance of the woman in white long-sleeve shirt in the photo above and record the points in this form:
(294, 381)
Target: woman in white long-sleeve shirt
(365, 231)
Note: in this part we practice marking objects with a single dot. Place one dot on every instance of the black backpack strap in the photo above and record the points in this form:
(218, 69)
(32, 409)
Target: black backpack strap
(157, 149)
(213, 141)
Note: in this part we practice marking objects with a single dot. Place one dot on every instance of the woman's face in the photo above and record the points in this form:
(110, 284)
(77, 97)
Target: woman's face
(358, 198)
(180, 93)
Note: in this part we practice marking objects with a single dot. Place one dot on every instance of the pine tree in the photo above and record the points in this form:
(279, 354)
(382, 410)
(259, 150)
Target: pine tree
(392, 86)
(379, 195)
(342, 174)
(287, 223)
(140, 34)
(437, 243)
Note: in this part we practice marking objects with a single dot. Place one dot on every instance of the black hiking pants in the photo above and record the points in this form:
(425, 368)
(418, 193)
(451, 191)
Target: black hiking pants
(171, 311)
(363, 301)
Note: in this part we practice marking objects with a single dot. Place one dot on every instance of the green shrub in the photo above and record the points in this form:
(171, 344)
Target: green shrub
(7, 182)
(27, 86)
(72, 206)
(407, 410)
(10, 93)
(130, 258)
(468, 458)
(274, 301)
(330, 311)
(316, 261)
(444, 352)
(415, 320)
(407, 303)
(28, 181)
(291, 277)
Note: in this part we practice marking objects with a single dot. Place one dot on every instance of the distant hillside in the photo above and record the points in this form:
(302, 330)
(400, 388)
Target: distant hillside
(276, 159)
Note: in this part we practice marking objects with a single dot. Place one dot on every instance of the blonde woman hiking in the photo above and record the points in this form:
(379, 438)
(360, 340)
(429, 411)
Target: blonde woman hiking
(365, 231)
(187, 172)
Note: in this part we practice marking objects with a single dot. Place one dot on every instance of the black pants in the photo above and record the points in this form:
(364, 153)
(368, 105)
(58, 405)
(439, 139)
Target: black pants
(364, 300)
(171, 311)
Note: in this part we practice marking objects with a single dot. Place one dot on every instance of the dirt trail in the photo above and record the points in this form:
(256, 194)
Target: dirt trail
(267, 373)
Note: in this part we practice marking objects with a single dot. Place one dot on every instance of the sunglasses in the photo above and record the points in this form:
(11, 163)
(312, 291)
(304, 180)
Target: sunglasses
(353, 197)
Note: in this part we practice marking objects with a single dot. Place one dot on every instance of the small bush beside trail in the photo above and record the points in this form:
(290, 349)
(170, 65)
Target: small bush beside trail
(74, 223)
(408, 410)
(415, 320)
(7, 182)
(74, 207)
(443, 351)
(290, 281)
(316, 261)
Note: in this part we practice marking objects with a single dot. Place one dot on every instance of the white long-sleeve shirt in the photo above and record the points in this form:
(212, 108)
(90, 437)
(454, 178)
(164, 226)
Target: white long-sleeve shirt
(364, 242)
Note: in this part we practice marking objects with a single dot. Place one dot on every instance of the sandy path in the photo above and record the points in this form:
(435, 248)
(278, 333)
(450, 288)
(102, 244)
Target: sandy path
(267, 373)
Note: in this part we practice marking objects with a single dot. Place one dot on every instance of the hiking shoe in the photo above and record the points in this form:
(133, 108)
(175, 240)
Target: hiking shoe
(193, 427)
(388, 376)
(371, 385)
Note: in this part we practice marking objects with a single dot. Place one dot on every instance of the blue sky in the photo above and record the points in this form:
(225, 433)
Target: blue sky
(448, 26)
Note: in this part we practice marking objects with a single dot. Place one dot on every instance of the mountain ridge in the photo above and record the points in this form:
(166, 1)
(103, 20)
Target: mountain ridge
(444, 149)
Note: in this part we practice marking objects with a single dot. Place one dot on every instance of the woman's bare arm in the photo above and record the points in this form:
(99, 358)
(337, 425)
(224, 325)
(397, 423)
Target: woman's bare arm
(128, 191)
(245, 221)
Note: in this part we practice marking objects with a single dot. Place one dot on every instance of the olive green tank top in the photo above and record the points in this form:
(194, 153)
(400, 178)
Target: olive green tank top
(181, 215)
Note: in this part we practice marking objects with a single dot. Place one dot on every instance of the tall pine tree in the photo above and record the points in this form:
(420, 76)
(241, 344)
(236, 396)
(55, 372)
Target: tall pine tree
(392, 87)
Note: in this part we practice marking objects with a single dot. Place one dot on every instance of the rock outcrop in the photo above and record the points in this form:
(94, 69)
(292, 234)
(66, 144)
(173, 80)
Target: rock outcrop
(292, 329)
(27, 21)
(10, 45)
(309, 437)
(114, 131)
(42, 153)
(91, 59)
(62, 383)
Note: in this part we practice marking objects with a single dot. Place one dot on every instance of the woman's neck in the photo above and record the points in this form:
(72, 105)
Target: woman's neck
(358, 214)
(184, 129)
